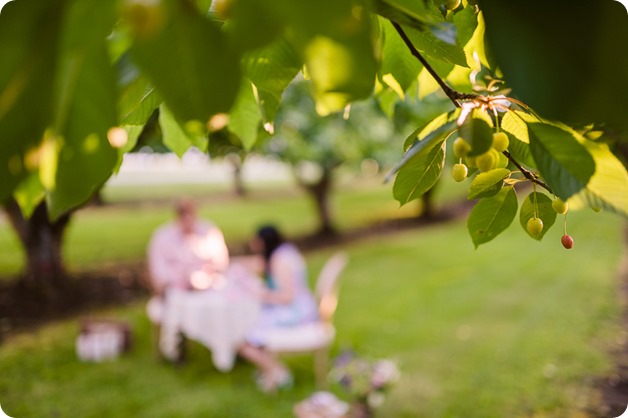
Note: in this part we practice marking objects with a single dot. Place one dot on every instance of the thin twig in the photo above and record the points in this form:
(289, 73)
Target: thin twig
(453, 95)
(527, 173)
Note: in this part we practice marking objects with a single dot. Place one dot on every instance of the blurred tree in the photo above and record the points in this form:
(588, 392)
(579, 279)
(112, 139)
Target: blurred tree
(42, 240)
(315, 146)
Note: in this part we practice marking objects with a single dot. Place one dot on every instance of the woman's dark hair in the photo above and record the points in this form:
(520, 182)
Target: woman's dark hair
(271, 239)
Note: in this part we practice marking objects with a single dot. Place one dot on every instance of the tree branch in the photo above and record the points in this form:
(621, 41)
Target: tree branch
(453, 95)
(527, 173)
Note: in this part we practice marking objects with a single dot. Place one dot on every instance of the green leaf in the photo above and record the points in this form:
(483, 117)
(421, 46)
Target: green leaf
(252, 23)
(85, 106)
(515, 125)
(477, 130)
(412, 13)
(545, 212)
(564, 163)
(520, 151)
(488, 184)
(571, 69)
(476, 45)
(272, 68)
(419, 175)
(175, 137)
(29, 35)
(133, 133)
(436, 48)
(29, 194)
(427, 82)
(245, 116)
(423, 131)
(422, 146)
(190, 63)
(342, 67)
(608, 187)
(396, 57)
(466, 22)
(491, 216)
(138, 98)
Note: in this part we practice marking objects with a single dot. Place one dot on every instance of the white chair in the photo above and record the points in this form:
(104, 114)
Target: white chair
(315, 337)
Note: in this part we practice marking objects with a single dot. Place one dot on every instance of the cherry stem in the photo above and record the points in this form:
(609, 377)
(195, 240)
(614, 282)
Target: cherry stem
(453, 95)
(527, 173)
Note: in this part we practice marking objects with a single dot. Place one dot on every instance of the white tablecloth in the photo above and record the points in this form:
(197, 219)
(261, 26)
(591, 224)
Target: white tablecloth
(218, 319)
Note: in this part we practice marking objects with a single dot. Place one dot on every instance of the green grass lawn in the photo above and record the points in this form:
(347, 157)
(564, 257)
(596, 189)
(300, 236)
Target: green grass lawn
(113, 234)
(515, 329)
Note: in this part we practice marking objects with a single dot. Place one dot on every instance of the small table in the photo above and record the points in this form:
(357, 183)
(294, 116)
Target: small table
(217, 318)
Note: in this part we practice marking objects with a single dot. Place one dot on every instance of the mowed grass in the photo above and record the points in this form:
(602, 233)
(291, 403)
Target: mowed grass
(516, 328)
(99, 236)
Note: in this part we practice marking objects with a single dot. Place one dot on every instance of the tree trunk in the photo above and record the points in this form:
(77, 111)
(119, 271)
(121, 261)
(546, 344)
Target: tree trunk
(42, 242)
(320, 193)
(238, 181)
(427, 204)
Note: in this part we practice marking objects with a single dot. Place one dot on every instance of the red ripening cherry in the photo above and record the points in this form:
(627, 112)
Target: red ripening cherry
(567, 241)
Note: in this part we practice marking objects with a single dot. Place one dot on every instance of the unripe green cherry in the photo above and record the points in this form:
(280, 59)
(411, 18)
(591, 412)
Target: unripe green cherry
(560, 206)
(487, 161)
(461, 147)
(459, 172)
(470, 161)
(534, 227)
(500, 141)
(452, 4)
(502, 160)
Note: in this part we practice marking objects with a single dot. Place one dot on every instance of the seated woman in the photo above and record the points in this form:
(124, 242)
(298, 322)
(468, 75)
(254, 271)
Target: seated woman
(286, 301)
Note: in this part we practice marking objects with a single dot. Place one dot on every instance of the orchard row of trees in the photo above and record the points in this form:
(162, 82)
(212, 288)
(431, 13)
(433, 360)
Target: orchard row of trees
(535, 93)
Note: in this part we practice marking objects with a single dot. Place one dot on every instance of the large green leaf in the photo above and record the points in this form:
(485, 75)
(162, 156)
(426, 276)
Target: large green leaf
(426, 129)
(477, 130)
(417, 10)
(537, 205)
(608, 187)
(396, 57)
(491, 216)
(466, 22)
(189, 61)
(336, 43)
(421, 146)
(419, 175)
(85, 106)
(515, 125)
(245, 116)
(29, 34)
(488, 184)
(138, 99)
(565, 163)
(273, 67)
(570, 63)
(436, 48)
(175, 137)
(252, 23)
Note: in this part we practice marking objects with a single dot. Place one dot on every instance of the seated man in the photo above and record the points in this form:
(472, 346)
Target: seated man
(180, 250)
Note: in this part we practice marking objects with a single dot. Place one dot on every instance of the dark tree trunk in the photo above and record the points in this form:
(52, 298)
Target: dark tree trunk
(427, 210)
(42, 242)
(238, 181)
(320, 192)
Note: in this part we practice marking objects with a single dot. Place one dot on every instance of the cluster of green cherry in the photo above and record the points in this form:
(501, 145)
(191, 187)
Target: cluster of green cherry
(495, 158)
